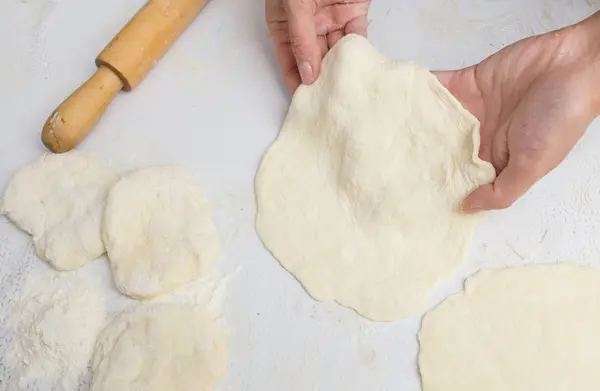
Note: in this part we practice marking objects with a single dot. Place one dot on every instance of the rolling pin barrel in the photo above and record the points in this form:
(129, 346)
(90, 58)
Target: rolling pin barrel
(122, 65)
(144, 40)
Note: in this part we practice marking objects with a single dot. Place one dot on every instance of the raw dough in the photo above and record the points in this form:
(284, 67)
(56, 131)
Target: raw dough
(360, 195)
(165, 348)
(54, 322)
(522, 329)
(59, 200)
(158, 232)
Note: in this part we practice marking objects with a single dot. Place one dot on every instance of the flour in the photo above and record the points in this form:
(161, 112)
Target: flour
(54, 324)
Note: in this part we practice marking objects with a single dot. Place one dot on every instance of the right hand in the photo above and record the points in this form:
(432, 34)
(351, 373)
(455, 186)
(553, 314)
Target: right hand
(534, 99)
(304, 30)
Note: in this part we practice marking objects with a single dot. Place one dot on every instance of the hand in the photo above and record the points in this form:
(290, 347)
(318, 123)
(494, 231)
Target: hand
(304, 30)
(534, 100)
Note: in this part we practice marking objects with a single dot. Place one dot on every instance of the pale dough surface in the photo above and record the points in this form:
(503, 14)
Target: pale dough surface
(530, 328)
(163, 348)
(158, 231)
(360, 195)
(59, 200)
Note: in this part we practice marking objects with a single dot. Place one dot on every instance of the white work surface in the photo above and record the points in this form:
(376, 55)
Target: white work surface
(214, 104)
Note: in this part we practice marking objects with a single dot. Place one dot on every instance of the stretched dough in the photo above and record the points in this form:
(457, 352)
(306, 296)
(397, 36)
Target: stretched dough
(59, 200)
(360, 195)
(530, 328)
(163, 348)
(158, 232)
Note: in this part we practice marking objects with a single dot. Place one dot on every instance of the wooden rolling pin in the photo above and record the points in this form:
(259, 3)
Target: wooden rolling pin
(122, 65)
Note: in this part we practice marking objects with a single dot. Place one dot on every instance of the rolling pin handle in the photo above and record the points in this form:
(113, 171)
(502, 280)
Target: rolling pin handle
(71, 122)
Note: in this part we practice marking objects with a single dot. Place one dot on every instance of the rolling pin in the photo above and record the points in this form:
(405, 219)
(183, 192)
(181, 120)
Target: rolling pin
(122, 65)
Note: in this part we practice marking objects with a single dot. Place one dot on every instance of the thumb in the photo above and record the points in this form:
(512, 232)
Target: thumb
(512, 182)
(303, 39)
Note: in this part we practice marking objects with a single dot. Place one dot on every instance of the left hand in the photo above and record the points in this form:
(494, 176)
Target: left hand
(534, 99)
(304, 30)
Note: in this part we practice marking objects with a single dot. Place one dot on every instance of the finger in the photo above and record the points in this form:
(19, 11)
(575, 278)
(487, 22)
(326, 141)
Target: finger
(325, 3)
(463, 86)
(511, 183)
(292, 80)
(303, 39)
(275, 11)
(444, 77)
(279, 32)
(288, 65)
(323, 45)
(333, 38)
(287, 62)
(357, 26)
(337, 17)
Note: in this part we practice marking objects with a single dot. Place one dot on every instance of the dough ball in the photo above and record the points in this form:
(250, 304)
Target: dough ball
(360, 195)
(158, 232)
(164, 348)
(59, 200)
(530, 328)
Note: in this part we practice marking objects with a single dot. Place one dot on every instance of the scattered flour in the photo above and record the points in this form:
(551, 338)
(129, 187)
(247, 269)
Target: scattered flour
(54, 325)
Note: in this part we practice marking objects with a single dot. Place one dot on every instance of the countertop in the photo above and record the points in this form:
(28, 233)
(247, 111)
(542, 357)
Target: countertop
(215, 103)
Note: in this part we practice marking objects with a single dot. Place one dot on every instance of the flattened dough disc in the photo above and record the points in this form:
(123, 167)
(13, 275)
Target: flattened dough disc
(360, 195)
(59, 200)
(160, 348)
(533, 328)
(158, 231)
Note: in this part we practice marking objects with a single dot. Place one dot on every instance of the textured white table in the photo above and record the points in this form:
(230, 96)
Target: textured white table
(214, 105)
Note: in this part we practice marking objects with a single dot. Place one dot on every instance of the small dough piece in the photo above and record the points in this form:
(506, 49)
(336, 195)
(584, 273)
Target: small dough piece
(360, 195)
(163, 348)
(534, 328)
(158, 232)
(59, 200)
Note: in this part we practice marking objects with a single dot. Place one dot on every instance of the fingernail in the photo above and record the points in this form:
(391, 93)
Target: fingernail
(306, 72)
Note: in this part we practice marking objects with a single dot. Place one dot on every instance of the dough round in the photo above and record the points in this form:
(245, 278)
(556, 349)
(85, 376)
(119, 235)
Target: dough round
(158, 232)
(533, 328)
(360, 195)
(59, 200)
(164, 348)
